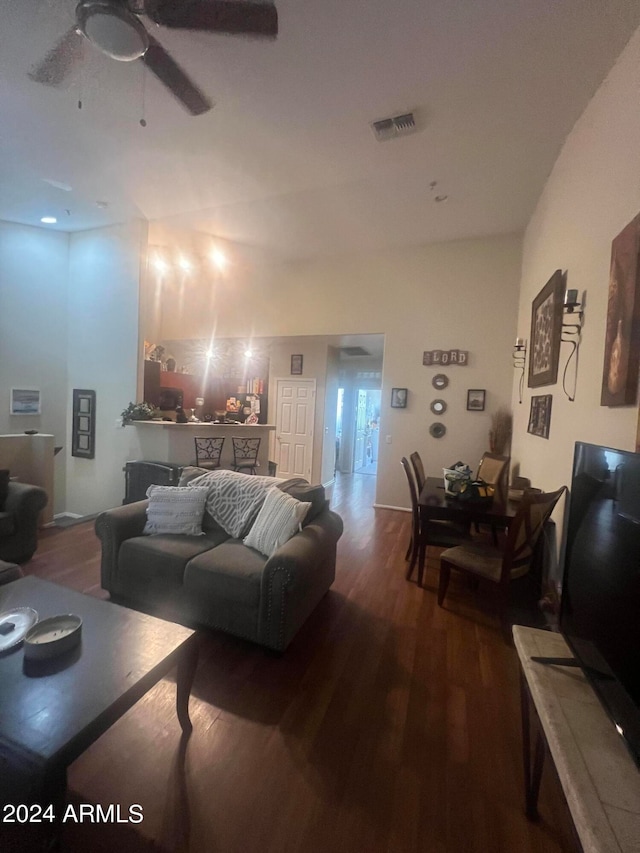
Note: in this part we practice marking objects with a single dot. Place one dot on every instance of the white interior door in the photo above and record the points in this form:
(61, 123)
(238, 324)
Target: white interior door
(295, 413)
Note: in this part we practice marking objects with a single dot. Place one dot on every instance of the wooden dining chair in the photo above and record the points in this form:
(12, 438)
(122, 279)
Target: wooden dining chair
(482, 561)
(438, 533)
(418, 469)
(494, 470)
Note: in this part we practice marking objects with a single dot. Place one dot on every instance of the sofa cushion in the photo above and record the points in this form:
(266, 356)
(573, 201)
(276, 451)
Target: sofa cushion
(162, 558)
(175, 510)
(4, 486)
(301, 490)
(279, 518)
(7, 525)
(229, 576)
(234, 499)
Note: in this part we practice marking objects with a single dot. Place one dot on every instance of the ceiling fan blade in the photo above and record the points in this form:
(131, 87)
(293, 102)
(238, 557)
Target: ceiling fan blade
(238, 17)
(58, 63)
(174, 78)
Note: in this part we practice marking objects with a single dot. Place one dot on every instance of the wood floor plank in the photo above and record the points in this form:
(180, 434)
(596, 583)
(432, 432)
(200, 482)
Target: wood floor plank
(390, 724)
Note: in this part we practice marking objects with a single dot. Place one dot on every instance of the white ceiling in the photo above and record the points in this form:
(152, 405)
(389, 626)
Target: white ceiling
(286, 160)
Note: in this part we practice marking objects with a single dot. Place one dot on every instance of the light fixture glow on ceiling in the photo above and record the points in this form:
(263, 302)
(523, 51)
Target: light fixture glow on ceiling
(248, 353)
(48, 220)
(160, 264)
(184, 264)
(219, 259)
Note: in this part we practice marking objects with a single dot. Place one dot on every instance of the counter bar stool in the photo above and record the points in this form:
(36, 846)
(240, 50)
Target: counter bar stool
(208, 452)
(245, 454)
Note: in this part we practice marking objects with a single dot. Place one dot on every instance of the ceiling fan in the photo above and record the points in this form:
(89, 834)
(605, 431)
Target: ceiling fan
(115, 28)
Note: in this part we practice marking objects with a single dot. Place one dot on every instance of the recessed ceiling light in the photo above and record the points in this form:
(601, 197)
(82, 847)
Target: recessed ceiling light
(219, 259)
(48, 220)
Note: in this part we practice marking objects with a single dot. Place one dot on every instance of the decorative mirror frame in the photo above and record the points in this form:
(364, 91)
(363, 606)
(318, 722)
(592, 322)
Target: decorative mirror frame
(437, 430)
(438, 407)
(440, 381)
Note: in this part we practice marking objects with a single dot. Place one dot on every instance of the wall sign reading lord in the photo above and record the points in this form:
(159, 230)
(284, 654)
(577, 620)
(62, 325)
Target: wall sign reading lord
(444, 356)
(546, 331)
(399, 398)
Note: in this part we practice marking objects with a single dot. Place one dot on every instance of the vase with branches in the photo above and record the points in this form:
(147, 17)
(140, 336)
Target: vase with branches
(500, 432)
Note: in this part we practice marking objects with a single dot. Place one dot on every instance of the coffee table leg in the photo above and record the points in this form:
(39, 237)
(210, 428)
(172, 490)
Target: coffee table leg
(187, 666)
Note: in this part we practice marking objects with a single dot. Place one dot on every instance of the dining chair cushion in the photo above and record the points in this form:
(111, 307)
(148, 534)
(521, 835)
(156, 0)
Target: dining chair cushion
(482, 560)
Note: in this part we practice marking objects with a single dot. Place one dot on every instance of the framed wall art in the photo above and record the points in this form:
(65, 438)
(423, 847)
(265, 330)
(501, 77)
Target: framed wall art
(475, 399)
(24, 401)
(296, 365)
(83, 437)
(399, 398)
(546, 332)
(540, 415)
(622, 336)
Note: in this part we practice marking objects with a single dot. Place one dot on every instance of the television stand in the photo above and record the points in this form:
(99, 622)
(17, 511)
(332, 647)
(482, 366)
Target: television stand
(562, 716)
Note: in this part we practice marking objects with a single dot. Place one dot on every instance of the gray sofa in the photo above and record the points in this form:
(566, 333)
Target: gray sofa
(20, 507)
(216, 581)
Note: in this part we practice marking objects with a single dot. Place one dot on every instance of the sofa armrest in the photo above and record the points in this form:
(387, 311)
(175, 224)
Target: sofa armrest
(25, 501)
(112, 527)
(296, 577)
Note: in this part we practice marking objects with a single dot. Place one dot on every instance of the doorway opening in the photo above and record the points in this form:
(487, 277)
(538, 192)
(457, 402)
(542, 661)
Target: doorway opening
(357, 430)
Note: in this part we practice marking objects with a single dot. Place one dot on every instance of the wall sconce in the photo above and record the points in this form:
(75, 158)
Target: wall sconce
(519, 359)
(572, 322)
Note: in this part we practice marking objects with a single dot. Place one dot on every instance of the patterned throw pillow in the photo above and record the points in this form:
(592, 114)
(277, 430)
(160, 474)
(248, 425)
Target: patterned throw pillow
(279, 518)
(175, 510)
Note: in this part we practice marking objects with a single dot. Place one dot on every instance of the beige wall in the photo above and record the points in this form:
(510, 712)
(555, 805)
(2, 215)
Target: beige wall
(591, 194)
(461, 295)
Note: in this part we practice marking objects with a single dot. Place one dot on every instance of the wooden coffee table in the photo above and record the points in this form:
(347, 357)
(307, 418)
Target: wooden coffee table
(51, 712)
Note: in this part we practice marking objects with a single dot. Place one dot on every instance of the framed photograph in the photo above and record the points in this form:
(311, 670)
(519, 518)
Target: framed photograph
(399, 398)
(25, 401)
(540, 415)
(546, 332)
(296, 365)
(622, 336)
(475, 399)
(83, 431)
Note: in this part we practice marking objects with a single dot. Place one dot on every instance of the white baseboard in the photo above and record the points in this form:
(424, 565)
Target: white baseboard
(330, 484)
(387, 506)
(67, 515)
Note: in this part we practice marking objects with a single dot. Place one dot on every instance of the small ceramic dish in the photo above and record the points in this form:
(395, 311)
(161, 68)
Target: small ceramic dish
(52, 637)
(17, 622)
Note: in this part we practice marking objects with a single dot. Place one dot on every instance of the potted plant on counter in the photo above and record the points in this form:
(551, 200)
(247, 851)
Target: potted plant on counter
(138, 412)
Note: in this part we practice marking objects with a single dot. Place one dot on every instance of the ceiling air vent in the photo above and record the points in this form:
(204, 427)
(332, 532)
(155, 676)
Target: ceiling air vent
(352, 351)
(390, 128)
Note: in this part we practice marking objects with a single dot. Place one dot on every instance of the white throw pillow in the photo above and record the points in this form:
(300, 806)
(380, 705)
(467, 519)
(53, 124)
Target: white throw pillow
(279, 518)
(175, 510)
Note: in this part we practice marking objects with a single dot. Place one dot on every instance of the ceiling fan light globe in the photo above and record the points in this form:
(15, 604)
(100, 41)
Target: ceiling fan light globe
(113, 30)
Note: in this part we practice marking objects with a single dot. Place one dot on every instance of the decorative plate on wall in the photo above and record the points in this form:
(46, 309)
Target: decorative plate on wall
(437, 430)
(438, 407)
(440, 381)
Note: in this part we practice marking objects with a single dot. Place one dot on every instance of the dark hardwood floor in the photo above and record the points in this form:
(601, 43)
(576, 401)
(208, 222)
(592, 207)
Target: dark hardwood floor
(390, 724)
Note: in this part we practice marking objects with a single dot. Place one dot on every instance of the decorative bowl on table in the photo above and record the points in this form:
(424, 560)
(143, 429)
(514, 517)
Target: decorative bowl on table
(52, 637)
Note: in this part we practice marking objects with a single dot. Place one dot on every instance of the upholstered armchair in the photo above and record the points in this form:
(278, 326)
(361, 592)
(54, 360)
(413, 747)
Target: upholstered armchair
(20, 506)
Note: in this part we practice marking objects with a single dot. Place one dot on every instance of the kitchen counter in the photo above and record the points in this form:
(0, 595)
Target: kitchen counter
(166, 441)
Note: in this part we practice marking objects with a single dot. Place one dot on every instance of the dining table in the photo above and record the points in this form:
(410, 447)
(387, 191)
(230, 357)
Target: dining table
(434, 504)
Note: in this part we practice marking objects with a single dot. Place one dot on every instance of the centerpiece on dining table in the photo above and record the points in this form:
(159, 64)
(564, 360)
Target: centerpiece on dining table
(459, 484)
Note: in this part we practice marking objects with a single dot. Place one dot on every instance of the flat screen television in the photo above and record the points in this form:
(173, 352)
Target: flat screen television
(600, 605)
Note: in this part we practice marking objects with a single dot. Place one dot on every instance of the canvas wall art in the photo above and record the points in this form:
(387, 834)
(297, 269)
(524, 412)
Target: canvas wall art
(546, 332)
(540, 415)
(622, 336)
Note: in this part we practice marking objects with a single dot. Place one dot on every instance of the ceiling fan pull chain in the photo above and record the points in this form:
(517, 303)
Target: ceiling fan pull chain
(143, 121)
